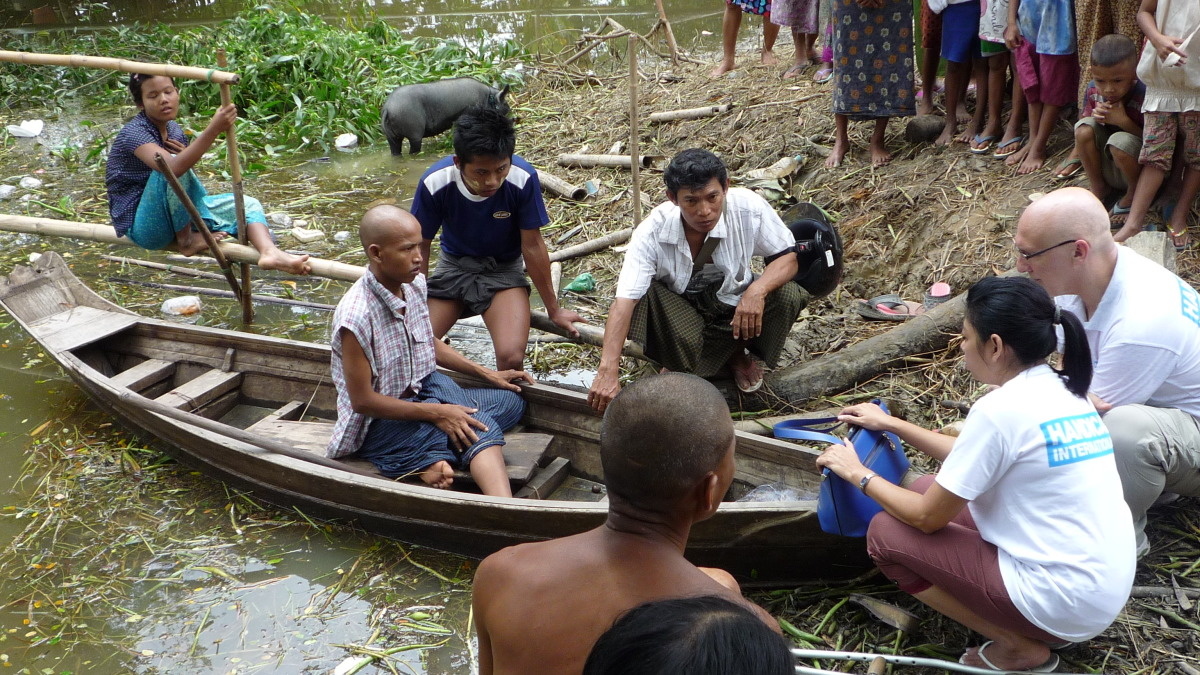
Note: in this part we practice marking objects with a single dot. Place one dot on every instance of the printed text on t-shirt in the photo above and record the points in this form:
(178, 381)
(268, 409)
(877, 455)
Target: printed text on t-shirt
(1074, 439)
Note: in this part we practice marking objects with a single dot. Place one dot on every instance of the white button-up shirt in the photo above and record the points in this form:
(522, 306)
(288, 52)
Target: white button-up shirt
(659, 249)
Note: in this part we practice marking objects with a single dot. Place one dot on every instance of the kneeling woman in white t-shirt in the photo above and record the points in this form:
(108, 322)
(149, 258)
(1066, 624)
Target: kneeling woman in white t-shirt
(1043, 552)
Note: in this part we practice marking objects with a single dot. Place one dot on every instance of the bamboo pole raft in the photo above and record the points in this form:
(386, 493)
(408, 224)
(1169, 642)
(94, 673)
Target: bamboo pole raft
(329, 269)
(106, 63)
(690, 113)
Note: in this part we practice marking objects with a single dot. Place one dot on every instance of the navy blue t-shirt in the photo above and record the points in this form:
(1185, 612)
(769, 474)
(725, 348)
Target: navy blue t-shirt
(125, 175)
(477, 226)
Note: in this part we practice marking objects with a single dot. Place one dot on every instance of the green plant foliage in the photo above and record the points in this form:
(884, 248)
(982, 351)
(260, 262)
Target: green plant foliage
(304, 81)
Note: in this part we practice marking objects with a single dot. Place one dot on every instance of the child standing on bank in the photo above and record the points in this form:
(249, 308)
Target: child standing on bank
(1108, 136)
(1041, 36)
(1171, 108)
(989, 97)
(800, 16)
(732, 21)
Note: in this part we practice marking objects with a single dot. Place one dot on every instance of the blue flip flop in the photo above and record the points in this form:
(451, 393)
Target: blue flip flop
(986, 140)
(1002, 151)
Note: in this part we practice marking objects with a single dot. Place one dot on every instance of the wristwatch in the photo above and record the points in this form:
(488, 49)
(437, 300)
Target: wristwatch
(862, 484)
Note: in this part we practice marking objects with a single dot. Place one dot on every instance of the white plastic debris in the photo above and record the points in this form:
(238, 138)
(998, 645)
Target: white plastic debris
(30, 183)
(184, 305)
(26, 129)
(341, 235)
(279, 218)
(26, 197)
(34, 257)
(7, 191)
(346, 142)
(307, 236)
(300, 223)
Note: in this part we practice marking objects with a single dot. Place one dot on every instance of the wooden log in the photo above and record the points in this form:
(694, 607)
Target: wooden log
(634, 167)
(666, 25)
(220, 293)
(924, 128)
(239, 199)
(560, 187)
(587, 161)
(198, 223)
(106, 63)
(104, 233)
(592, 245)
(689, 113)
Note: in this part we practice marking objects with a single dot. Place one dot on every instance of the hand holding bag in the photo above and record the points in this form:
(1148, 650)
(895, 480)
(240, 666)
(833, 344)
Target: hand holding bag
(841, 507)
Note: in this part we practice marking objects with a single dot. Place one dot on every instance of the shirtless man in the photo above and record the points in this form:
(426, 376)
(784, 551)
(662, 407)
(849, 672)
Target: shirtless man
(567, 592)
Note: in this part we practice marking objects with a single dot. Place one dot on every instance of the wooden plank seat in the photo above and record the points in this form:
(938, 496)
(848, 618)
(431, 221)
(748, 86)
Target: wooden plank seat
(201, 391)
(144, 374)
(523, 452)
(78, 326)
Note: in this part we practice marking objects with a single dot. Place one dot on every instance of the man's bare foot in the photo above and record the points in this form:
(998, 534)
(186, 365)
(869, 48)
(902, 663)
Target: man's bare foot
(283, 261)
(747, 374)
(880, 155)
(1017, 157)
(722, 68)
(439, 475)
(1032, 162)
(837, 154)
(946, 137)
(769, 58)
(1001, 658)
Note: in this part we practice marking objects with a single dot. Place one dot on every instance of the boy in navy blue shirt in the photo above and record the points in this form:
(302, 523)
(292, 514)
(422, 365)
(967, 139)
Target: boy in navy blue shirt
(487, 202)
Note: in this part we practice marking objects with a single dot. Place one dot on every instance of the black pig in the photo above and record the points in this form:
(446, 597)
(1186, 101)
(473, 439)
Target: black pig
(414, 111)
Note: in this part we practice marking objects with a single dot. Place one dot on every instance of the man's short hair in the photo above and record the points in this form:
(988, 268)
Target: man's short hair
(661, 435)
(484, 130)
(693, 169)
(1112, 50)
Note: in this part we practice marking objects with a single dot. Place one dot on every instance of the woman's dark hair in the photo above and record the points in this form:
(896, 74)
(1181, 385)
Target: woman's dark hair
(693, 169)
(484, 130)
(136, 80)
(1024, 316)
(707, 635)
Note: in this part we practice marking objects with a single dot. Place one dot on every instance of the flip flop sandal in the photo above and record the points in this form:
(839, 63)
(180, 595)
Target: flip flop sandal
(1118, 210)
(823, 75)
(890, 307)
(1068, 169)
(1177, 237)
(936, 295)
(986, 146)
(1049, 666)
(1002, 150)
(794, 72)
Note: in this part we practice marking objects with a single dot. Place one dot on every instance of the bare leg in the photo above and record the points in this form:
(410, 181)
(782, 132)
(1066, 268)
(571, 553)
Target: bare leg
(1128, 166)
(730, 23)
(960, 111)
(770, 34)
(487, 468)
(841, 142)
(439, 475)
(979, 74)
(802, 57)
(810, 48)
(1009, 650)
(1016, 118)
(442, 314)
(955, 74)
(997, 72)
(929, 68)
(1177, 226)
(269, 255)
(1089, 155)
(1147, 188)
(1035, 117)
(508, 321)
(879, 153)
(1037, 147)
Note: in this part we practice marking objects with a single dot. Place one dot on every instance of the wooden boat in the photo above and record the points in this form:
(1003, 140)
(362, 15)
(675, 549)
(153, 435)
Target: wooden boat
(256, 411)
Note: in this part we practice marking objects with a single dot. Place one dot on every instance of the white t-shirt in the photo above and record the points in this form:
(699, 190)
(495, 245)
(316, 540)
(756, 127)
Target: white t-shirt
(1035, 462)
(1145, 336)
(658, 250)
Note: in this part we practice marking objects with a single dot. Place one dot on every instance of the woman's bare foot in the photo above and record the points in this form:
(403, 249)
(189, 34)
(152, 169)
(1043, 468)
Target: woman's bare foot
(723, 67)
(439, 475)
(275, 259)
(837, 154)
(1018, 156)
(1032, 162)
(879, 154)
(769, 58)
(795, 70)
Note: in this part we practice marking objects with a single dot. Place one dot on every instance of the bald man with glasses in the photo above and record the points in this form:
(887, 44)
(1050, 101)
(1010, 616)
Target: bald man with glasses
(1143, 327)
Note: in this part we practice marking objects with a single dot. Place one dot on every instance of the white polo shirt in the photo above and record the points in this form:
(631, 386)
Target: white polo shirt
(659, 250)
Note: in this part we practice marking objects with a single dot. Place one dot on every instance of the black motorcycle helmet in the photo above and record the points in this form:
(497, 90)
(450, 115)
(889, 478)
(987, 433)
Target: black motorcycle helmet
(818, 249)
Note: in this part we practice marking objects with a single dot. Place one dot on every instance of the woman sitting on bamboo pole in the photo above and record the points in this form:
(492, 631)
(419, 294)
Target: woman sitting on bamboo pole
(141, 203)
(1022, 536)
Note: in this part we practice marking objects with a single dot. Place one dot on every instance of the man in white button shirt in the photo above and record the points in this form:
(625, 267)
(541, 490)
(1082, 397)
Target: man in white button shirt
(701, 319)
(1143, 327)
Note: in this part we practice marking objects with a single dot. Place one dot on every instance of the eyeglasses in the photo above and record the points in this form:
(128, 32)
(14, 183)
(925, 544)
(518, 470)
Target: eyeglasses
(1031, 256)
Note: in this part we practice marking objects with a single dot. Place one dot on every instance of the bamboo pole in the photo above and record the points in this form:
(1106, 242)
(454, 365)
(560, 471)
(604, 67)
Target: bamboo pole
(239, 199)
(666, 24)
(174, 269)
(635, 169)
(592, 245)
(106, 63)
(689, 113)
(587, 161)
(198, 222)
(560, 187)
(221, 293)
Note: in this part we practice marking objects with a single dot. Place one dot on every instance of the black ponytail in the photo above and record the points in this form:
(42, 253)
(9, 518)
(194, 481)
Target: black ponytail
(1024, 316)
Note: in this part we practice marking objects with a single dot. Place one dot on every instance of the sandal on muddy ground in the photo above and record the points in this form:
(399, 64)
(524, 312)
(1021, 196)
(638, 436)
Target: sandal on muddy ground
(1117, 215)
(1068, 169)
(889, 307)
(1009, 147)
